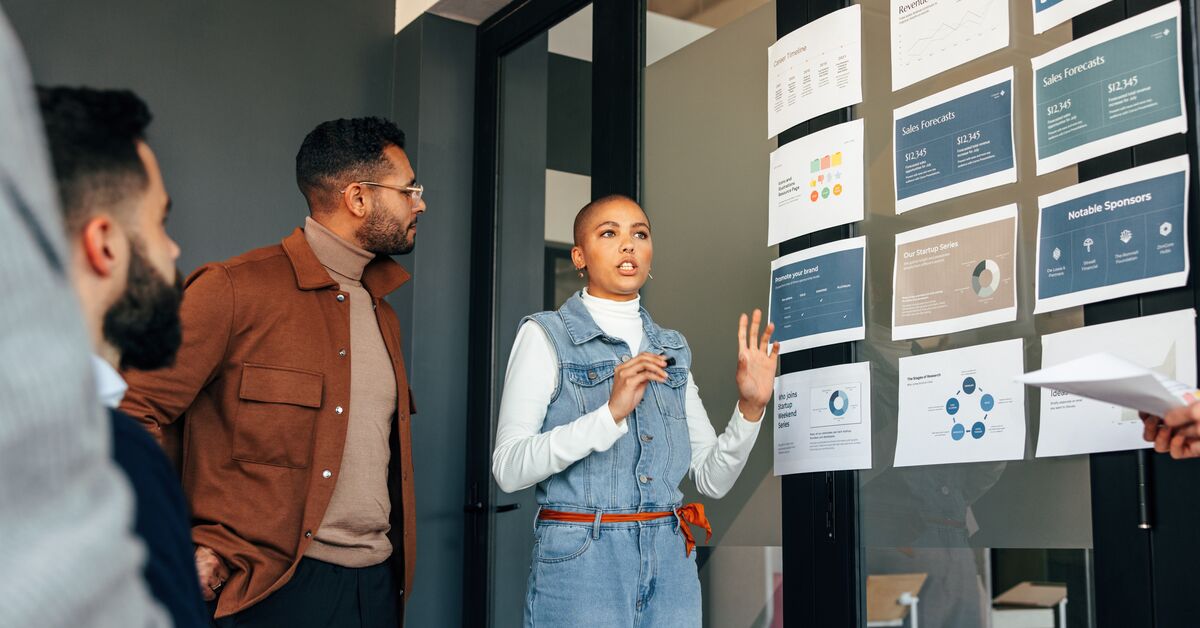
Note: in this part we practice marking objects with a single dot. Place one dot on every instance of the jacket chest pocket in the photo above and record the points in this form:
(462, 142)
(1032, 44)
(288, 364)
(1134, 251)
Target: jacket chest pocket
(276, 416)
(672, 395)
(592, 385)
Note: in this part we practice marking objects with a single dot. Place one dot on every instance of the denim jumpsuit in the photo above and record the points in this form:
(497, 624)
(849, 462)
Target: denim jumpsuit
(614, 574)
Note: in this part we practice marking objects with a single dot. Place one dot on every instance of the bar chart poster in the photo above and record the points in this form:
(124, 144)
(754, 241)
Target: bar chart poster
(815, 69)
(932, 36)
(1114, 236)
(1112, 89)
(1050, 13)
(955, 275)
(817, 295)
(816, 182)
(955, 142)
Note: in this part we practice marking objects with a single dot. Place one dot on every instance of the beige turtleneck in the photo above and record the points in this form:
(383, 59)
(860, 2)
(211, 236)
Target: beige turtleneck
(354, 530)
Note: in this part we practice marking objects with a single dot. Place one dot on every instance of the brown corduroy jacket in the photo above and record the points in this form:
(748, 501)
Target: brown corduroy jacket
(260, 392)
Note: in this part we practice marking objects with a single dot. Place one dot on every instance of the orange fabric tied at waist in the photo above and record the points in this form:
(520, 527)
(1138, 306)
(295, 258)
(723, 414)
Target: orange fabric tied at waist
(692, 514)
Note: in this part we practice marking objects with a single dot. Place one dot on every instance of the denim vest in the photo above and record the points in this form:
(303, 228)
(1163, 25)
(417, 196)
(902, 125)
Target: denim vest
(642, 470)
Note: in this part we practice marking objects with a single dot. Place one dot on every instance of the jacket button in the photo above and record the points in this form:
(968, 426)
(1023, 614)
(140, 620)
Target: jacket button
(308, 534)
(647, 438)
(591, 374)
(342, 353)
(327, 474)
(644, 479)
(341, 297)
(624, 358)
(338, 410)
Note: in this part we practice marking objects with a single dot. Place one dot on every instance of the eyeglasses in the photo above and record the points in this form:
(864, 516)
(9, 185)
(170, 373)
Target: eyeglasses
(414, 191)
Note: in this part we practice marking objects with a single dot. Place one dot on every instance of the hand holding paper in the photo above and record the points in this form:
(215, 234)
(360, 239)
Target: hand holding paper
(1105, 377)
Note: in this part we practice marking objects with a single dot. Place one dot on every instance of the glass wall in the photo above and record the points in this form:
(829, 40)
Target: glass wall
(975, 530)
(706, 165)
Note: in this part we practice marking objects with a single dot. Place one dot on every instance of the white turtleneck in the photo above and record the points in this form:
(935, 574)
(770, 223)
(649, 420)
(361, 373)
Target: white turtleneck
(525, 456)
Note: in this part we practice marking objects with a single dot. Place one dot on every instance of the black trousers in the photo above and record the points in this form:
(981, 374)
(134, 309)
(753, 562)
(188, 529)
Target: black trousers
(321, 595)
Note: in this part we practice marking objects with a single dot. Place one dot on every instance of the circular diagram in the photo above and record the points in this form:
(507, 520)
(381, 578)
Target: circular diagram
(839, 403)
(969, 397)
(985, 279)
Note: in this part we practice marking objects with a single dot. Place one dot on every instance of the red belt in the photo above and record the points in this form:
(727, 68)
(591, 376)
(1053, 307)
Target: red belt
(689, 513)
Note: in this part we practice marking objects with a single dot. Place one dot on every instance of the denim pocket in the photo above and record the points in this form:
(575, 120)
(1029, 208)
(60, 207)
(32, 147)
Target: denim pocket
(559, 543)
(672, 395)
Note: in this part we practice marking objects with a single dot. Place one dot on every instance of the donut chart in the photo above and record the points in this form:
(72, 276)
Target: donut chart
(985, 279)
(839, 403)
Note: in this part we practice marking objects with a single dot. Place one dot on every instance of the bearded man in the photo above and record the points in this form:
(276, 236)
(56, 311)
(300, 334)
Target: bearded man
(292, 395)
(122, 262)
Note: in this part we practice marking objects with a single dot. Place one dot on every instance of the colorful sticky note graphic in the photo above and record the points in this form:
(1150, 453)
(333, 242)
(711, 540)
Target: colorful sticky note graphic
(837, 159)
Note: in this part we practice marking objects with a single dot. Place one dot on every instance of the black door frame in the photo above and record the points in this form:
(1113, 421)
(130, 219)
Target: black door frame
(618, 60)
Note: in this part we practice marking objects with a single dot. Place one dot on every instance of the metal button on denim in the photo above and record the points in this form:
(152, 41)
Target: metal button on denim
(342, 353)
(327, 474)
(643, 479)
(338, 410)
(624, 358)
(647, 438)
(341, 297)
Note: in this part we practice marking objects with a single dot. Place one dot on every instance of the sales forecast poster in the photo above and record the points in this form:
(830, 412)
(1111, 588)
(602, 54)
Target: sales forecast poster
(955, 142)
(816, 182)
(817, 295)
(815, 69)
(932, 36)
(1050, 13)
(1070, 424)
(1114, 236)
(961, 405)
(955, 275)
(1112, 89)
(823, 419)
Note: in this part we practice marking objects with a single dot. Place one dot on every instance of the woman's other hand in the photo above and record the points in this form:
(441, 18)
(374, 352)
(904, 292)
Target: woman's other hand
(758, 358)
(629, 383)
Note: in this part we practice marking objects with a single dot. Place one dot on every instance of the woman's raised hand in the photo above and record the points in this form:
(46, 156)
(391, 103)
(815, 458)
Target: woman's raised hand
(757, 359)
(629, 382)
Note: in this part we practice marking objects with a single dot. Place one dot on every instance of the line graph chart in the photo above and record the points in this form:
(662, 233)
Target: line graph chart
(931, 36)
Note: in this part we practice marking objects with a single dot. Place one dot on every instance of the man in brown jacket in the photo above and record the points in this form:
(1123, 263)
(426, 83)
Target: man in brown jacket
(293, 401)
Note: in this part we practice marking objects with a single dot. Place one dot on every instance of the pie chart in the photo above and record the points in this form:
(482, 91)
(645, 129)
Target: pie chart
(839, 403)
(985, 278)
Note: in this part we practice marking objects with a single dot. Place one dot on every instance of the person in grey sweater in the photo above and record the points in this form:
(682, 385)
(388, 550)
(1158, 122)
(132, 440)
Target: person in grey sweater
(69, 554)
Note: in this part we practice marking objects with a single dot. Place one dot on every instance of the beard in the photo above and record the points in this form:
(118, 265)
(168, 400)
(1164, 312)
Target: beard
(382, 235)
(143, 325)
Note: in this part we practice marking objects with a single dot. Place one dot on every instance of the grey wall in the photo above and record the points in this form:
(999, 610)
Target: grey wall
(234, 87)
(434, 78)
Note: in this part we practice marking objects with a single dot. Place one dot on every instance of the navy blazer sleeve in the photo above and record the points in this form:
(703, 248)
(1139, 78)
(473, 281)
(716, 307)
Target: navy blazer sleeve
(161, 521)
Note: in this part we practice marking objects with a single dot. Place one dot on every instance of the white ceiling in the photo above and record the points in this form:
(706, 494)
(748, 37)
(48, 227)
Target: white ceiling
(470, 11)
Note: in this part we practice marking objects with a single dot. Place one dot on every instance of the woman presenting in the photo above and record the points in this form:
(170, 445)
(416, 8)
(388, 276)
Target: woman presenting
(600, 411)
